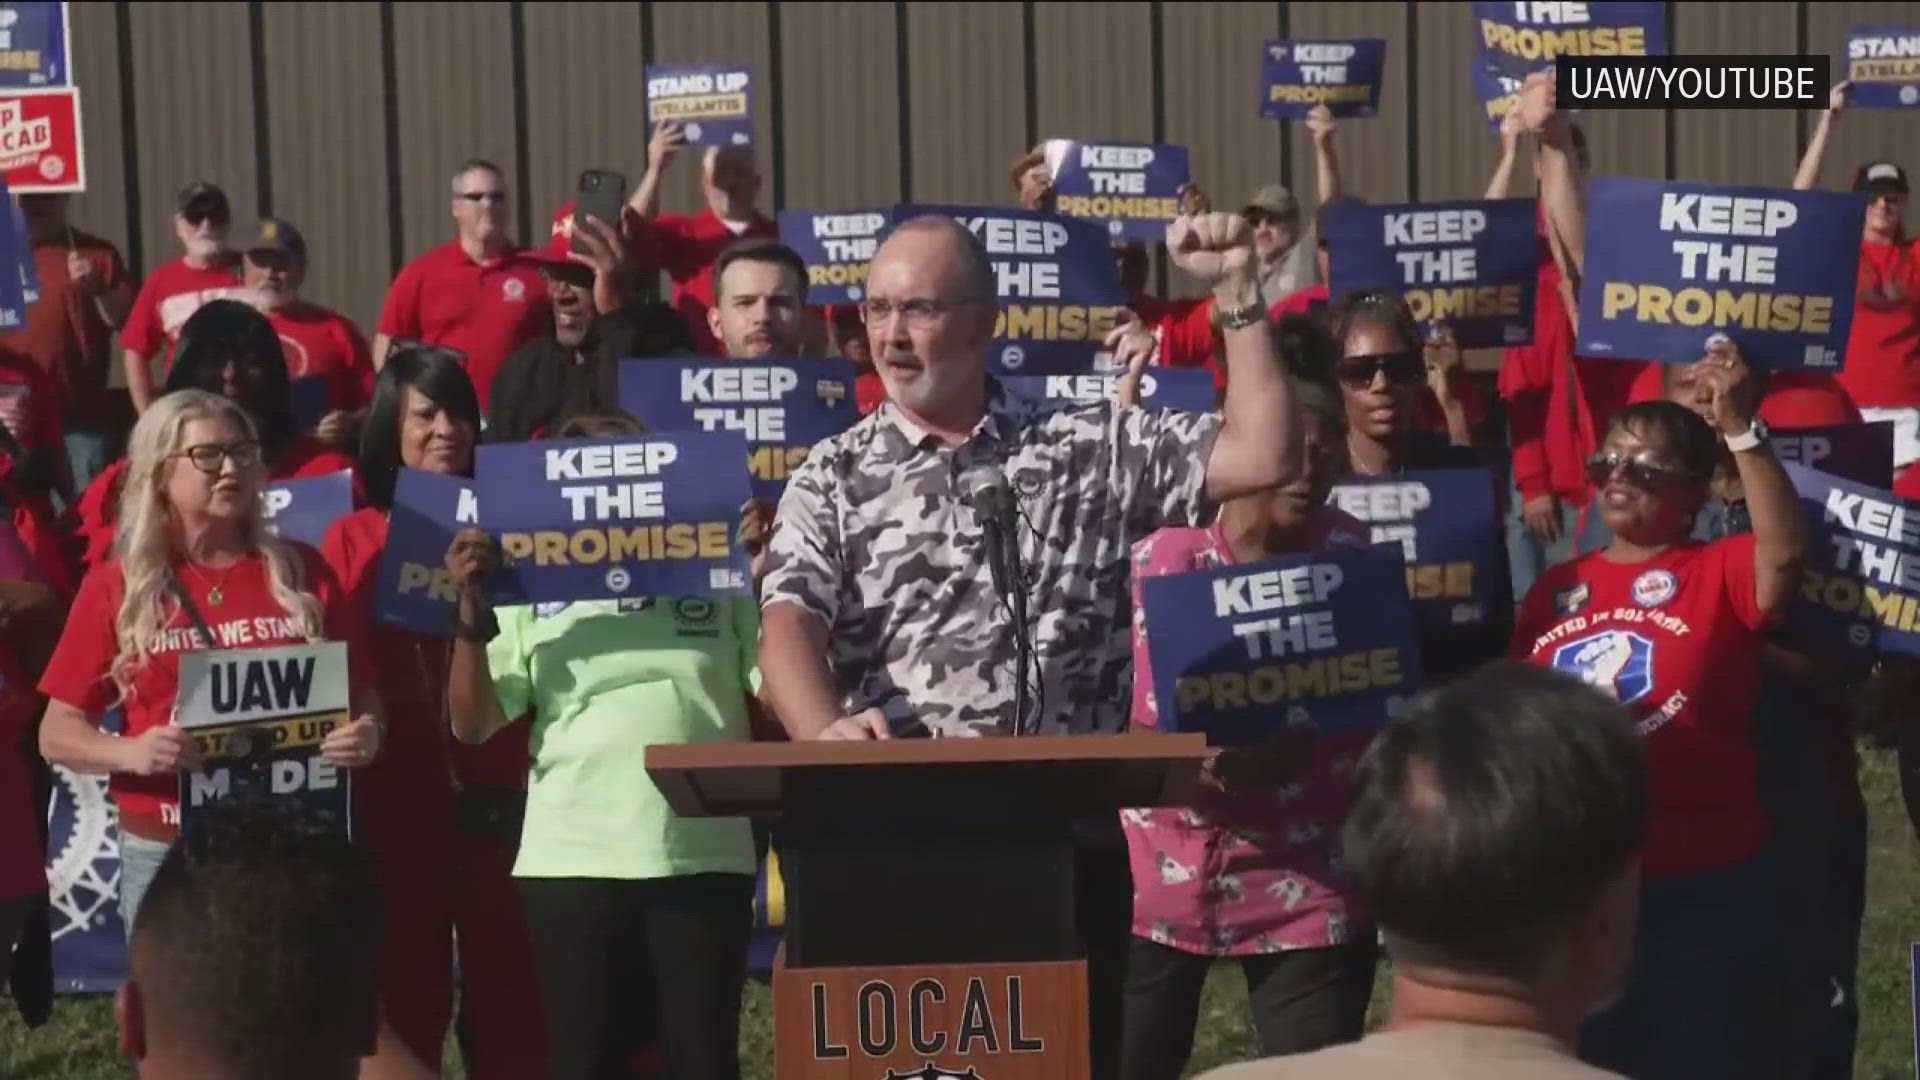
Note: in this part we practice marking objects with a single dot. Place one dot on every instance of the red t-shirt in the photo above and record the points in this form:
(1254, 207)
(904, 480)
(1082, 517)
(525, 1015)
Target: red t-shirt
(485, 310)
(685, 247)
(1793, 399)
(247, 616)
(411, 671)
(64, 332)
(1882, 365)
(321, 341)
(99, 506)
(170, 296)
(1676, 639)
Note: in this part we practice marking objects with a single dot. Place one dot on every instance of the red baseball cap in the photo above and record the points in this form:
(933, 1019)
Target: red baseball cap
(556, 249)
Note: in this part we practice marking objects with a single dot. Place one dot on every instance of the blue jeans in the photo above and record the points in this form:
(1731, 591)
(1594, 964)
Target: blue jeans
(86, 455)
(1706, 979)
(139, 861)
(1527, 557)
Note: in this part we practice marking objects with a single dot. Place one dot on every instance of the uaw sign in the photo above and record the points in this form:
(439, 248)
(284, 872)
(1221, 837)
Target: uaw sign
(259, 716)
(40, 141)
(1025, 1021)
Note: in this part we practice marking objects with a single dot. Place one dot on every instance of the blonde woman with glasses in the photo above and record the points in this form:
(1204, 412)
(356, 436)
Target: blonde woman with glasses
(190, 552)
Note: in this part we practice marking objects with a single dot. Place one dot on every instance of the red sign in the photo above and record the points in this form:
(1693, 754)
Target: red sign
(40, 141)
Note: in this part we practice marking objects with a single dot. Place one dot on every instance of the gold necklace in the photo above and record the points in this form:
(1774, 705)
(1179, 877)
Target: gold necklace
(214, 593)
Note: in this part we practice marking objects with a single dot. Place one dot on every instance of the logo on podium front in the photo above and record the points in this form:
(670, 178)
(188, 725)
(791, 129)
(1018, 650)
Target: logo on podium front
(934, 1072)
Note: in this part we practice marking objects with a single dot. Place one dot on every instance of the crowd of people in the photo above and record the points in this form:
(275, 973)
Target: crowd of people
(1570, 877)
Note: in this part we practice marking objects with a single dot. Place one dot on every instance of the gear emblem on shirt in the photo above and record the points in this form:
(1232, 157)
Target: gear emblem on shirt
(513, 289)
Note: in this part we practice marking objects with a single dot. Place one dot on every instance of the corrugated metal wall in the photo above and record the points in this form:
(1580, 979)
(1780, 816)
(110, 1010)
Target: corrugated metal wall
(348, 118)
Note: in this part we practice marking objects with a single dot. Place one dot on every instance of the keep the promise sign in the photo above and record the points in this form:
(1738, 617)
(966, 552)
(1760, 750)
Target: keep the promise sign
(302, 509)
(1185, 389)
(783, 407)
(1861, 585)
(1345, 76)
(1883, 65)
(259, 716)
(1669, 264)
(1440, 519)
(713, 101)
(586, 519)
(1132, 190)
(1054, 276)
(1471, 264)
(1518, 37)
(413, 590)
(1239, 651)
(836, 248)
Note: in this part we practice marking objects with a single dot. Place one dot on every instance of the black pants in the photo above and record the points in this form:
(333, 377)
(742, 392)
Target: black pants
(1301, 1000)
(613, 955)
(1103, 909)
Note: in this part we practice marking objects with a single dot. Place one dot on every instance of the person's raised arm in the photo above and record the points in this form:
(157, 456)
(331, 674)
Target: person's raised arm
(1779, 539)
(473, 705)
(668, 138)
(1326, 159)
(1561, 199)
(1807, 177)
(1259, 442)
(1501, 182)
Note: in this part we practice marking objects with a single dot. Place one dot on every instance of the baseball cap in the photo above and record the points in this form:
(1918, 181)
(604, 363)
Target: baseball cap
(204, 198)
(1880, 176)
(1274, 199)
(273, 234)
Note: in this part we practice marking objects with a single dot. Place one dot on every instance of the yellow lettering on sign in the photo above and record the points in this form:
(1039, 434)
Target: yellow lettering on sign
(1788, 313)
(1270, 684)
(620, 544)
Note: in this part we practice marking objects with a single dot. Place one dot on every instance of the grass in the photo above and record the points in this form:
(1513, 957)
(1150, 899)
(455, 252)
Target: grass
(78, 1044)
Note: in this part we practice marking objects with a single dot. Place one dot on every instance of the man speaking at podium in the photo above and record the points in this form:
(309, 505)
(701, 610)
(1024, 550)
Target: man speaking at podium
(904, 547)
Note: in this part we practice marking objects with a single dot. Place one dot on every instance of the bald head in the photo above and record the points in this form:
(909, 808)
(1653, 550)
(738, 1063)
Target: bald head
(943, 244)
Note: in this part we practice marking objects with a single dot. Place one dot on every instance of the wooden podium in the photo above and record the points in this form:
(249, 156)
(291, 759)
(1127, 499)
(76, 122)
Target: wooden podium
(930, 916)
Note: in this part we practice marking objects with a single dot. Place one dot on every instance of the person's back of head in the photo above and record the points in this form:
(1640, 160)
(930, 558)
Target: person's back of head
(1495, 833)
(255, 953)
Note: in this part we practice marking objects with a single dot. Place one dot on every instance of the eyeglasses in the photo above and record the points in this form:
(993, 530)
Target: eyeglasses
(1258, 218)
(495, 197)
(195, 216)
(1401, 368)
(1641, 472)
(918, 312)
(210, 458)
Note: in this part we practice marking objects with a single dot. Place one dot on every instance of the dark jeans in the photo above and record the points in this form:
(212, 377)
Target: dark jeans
(1706, 980)
(13, 920)
(1838, 1027)
(1103, 908)
(615, 954)
(1301, 1000)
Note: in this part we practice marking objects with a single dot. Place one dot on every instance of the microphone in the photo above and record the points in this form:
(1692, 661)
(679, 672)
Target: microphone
(984, 487)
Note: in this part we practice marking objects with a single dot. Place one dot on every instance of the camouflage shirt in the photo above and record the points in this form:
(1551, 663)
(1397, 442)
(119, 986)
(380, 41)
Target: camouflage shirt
(873, 538)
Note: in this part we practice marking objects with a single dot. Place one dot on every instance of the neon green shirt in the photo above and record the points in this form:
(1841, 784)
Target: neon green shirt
(602, 680)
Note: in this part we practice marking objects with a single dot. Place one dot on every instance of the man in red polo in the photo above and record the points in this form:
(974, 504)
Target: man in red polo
(319, 341)
(206, 270)
(686, 246)
(480, 294)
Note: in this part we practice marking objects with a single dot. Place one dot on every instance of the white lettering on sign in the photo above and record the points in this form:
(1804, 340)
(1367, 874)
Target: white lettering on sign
(468, 511)
(1874, 517)
(1283, 635)
(1715, 261)
(1115, 157)
(1325, 52)
(289, 775)
(736, 383)
(273, 500)
(1725, 215)
(1559, 12)
(1434, 226)
(616, 502)
(758, 425)
(1801, 449)
(1383, 502)
(1248, 594)
(1323, 74)
(702, 82)
(606, 462)
(859, 250)
(844, 225)
(1009, 236)
(1884, 48)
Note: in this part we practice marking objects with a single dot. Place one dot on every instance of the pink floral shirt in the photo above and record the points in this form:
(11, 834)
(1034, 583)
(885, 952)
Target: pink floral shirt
(1247, 872)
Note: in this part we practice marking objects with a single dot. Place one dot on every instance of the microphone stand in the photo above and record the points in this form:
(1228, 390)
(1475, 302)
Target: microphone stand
(1022, 640)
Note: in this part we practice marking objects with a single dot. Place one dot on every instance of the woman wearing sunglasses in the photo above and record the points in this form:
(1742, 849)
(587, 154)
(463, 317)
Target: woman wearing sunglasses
(1672, 628)
(442, 819)
(193, 556)
(230, 349)
(1383, 365)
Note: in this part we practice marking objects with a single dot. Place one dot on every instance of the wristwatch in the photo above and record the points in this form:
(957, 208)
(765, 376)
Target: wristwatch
(1245, 316)
(1749, 439)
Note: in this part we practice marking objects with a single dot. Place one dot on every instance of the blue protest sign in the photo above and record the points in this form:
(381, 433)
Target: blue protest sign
(1440, 519)
(713, 101)
(83, 868)
(412, 590)
(1883, 65)
(302, 509)
(1240, 652)
(1517, 39)
(1132, 190)
(1055, 278)
(782, 407)
(602, 519)
(1772, 269)
(1497, 93)
(1472, 264)
(16, 255)
(1862, 453)
(1861, 585)
(837, 248)
(33, 45)
(1185, 389)
(29, 273)
(1345, 76)
(312, 400)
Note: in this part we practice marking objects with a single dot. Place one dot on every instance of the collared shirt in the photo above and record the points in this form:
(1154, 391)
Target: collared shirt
(483, 309)
(872, 538)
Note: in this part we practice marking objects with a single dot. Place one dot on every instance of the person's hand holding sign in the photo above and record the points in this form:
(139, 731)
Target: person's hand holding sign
(469, 558)
(1193, 200)
(1837, 97)
(1442, 354)
(1321, 125)
(80, 272)
(668, 137)
(1536, 104)
(159, 751)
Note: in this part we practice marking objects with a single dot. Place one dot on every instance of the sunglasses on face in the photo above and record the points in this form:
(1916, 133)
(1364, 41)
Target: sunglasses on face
(197, 217)
(1641, 472)
(1401, 368)
(210, 458)
(494, 197)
